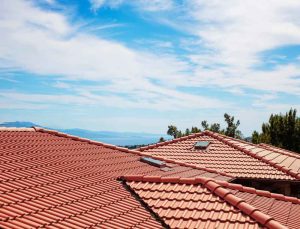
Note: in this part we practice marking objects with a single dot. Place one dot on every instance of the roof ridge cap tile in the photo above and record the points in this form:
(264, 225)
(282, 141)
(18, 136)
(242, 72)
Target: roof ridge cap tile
(126, 150)
(250, 153)
(61, 134)
(241, 204)
(276, 150)
(174, 140)
(159, 179)
(258, 192)
(212, 186)
(218, 190)
(20, 129)
(122, 149)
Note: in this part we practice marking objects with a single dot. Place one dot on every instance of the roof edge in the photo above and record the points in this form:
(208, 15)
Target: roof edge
(276, 150)
(126, 150)
(202, 180)
(151, 146)
(21, 129)
(218, 190)
(76, 138)
(224, 139)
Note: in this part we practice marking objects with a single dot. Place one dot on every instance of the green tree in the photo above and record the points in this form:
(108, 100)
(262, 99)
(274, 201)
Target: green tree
(215, 127)
(195, 130)
(161, 139)
(239, 135)
(187, 131)
(231, 129)
(179, 134)
(172, 131)
(282, 130)
(231, 125)
(255, 137)
(205, 125)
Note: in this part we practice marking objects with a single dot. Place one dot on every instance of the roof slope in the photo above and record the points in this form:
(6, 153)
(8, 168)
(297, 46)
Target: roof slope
(224, 154)
(286, 158)
(205, 203)
(54, 180)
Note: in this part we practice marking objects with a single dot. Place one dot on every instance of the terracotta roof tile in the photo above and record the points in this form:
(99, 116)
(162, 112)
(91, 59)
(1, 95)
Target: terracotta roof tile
(185, 203)
(56, 180)
(233, 157)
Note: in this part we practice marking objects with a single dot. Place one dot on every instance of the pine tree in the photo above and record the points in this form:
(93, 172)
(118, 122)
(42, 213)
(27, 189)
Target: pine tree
(231, 125)
(281, 131)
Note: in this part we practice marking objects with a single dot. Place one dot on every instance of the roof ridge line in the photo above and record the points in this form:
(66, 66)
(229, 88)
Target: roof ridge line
(259, 192)
(224, 139)
(276, 150)
(169, 141)
(21, 129)
(126, 150)
(218, 190)
(76, 138)
(225, 184)
(262, 145)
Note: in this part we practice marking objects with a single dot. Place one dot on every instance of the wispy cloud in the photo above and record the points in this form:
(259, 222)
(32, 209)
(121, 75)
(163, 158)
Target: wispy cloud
(220, 47)
(145, 5)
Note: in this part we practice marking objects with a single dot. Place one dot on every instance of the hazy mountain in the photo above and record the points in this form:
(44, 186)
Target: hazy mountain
(111, 137)
(17, 124)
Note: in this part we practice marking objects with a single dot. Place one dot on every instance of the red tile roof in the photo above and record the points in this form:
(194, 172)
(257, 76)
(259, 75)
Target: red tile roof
(234, 157)
(284, 160)
(55, 180)
(288, 159)
(206, 203)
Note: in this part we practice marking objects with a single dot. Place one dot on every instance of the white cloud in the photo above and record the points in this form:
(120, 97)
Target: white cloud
(145, 5)
(227, 40)
(155, 98)
(97, 4)
(238, 30)
(283, 78)
(155, 5)
(229, 37)
(44, 43)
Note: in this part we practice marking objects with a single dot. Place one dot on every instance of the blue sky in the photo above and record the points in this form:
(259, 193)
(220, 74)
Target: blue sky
(142, 65)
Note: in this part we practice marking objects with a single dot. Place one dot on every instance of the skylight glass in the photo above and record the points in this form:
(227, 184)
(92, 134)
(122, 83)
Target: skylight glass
(202, 145)
(153, 162)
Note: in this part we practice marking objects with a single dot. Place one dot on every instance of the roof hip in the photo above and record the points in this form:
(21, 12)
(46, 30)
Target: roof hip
(216, 188)
(224, 139)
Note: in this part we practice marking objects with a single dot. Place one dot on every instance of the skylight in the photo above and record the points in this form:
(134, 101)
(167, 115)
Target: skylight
(202, 145)
(153, 162)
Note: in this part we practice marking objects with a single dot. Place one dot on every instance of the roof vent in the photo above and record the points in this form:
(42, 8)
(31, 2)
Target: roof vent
(153, 162)
(202, 145)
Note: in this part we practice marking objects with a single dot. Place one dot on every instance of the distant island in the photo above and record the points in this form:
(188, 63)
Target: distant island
(129, 139)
